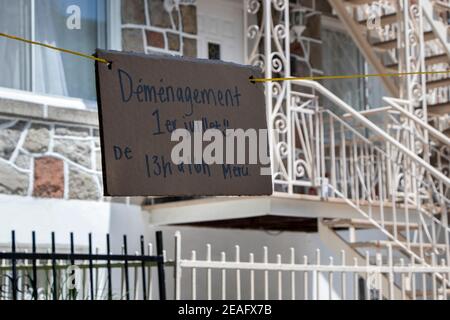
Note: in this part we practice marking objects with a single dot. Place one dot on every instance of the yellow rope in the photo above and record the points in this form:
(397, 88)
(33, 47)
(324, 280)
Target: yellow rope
(354, 76)
(351, 76)
(54, 48)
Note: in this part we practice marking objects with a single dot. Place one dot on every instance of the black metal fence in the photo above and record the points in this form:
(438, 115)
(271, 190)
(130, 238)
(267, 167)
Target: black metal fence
(53, 275)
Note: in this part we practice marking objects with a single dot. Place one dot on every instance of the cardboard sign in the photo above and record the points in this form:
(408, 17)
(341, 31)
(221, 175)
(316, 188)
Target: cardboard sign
(143, 99)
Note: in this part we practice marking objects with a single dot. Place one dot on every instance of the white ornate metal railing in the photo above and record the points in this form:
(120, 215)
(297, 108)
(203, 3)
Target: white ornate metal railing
(321, 146)
(424, 139)
(370, 170)
(302, 278)
(302, 132)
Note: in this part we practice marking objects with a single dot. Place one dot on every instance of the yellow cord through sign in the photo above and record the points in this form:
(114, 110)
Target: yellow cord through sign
(350, 76)
(252, 79)
(54, 48)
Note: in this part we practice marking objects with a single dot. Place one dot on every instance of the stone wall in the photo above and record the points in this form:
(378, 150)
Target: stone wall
(49, 159)
(148, 27)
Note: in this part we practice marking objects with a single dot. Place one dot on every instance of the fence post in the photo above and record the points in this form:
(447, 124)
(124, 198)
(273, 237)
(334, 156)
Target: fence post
(127, 282)
(208, 271)
(13, 263)
(177, 269)
(108, 266)
(144, 289)
(224, 276)
(54, 272)
(33, 250)
(391, 273)
(161, 278)
(73, 291)
(238, 273)
(91, 269)
(266, 274)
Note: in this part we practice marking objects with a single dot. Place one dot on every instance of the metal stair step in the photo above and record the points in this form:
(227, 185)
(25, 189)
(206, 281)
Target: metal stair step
(431, 60)
(438, 83)
(385, 243)
(369, 112)
(366, 224)
(439, 108)
(374, 260)
(358, 2)
(384, 20)
(441, 5)
(447, 132)
(358, 141)
(391, 44)
(429, 293)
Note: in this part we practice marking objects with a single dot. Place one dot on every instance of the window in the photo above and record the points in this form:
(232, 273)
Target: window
(47, 71)
(213, 51)
(342, 56)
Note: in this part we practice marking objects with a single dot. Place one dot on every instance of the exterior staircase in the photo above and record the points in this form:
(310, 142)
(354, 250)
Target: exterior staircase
(409, 217)
(394, 174)
(379, 32)
(411, 222)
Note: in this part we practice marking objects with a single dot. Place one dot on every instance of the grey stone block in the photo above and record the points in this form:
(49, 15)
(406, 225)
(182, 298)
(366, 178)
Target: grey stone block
(69, 115)
(77, 151)
(21, 108)
(12, 181)
(72, 131)
(82, 186)
(159, 17)
(189, 18)
(37, 139)
(133, 40)
(23, 161)
(98, 159)
(9, 137)
(189, 47)
(133, 11)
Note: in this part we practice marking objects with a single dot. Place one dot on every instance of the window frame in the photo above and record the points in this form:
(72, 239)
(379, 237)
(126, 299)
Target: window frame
(112, 36)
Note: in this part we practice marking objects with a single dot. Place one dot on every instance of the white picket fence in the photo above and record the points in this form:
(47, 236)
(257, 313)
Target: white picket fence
(309, 279)
(255, 277)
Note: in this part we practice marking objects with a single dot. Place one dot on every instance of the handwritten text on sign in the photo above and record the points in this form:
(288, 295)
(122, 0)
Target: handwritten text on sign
(173, 126)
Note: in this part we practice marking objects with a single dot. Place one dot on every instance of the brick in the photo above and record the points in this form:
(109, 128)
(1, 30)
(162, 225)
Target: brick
(155, 39)
(133, 11)
(189, 18)
(48, 178)
(189, 47)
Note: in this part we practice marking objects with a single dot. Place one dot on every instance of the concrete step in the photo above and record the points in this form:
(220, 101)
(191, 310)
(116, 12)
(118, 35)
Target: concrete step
(366, 224)
(383, 244)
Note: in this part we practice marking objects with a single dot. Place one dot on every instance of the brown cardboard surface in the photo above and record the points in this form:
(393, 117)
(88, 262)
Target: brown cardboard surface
(137, 119)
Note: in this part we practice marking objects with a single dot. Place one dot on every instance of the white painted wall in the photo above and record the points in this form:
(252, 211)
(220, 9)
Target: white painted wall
(221, 22)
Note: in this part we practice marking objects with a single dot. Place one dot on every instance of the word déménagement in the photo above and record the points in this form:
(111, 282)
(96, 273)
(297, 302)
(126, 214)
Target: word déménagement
(132, 90)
